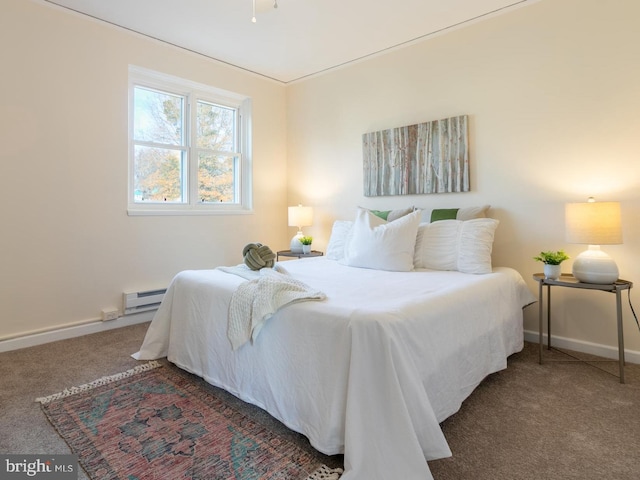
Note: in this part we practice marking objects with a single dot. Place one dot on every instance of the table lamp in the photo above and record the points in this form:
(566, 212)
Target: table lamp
(299, 217)
(594, 223)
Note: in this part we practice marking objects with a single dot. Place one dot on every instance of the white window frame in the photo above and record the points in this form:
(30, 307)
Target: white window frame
(193, 92)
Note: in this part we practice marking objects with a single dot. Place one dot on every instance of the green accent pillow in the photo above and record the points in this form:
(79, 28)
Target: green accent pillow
(391, 215)
(444, 214)
(383, 214)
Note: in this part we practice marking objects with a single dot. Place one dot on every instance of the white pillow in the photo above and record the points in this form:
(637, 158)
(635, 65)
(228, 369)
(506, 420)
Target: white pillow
(338, 239)
(374, 243)
(464, 246)
(342, 229)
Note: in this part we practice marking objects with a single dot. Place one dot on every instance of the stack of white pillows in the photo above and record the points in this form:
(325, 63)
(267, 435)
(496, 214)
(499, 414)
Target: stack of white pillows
(405, 241)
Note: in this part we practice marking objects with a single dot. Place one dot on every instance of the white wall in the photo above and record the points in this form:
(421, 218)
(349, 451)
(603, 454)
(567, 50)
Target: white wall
(551, 90)
(67, 247)
(553, 94)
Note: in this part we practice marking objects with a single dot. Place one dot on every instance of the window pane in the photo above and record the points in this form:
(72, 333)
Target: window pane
(216, 127)
(158, 175)
(216, 178)
(158, 117)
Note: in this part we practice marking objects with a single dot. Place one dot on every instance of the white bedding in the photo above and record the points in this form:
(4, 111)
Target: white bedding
(368, 372)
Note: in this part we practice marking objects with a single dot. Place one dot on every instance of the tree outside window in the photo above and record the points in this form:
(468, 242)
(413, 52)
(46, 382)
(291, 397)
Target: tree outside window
(187, 148)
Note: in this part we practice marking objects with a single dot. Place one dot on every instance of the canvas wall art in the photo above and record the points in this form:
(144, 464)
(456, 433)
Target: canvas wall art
(431, 157)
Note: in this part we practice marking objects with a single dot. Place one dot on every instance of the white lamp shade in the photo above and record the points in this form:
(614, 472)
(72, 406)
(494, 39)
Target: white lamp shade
(300, 216)
(594, 224)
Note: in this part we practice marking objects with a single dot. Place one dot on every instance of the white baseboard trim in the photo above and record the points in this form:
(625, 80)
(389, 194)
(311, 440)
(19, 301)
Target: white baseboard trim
(31, 340)
(605, 351)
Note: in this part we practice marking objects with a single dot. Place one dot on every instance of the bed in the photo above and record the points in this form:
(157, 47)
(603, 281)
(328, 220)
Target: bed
(369, 371)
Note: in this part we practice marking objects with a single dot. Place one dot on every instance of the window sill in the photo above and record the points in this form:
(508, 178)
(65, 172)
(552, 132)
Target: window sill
(138, 211)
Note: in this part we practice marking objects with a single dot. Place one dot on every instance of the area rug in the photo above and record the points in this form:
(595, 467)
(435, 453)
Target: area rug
(153, 423)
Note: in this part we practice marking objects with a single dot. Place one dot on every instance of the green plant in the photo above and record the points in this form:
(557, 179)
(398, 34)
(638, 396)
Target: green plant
(552, 258)
(306, 240)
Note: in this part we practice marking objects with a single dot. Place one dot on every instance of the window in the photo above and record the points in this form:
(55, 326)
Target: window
(189, 147)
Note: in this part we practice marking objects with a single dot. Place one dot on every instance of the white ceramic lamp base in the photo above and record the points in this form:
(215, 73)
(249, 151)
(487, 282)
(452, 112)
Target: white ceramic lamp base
(296, 246)
(595, 266)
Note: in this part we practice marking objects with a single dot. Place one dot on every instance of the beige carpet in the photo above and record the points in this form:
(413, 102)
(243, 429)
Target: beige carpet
(531, 421)
(554, 421)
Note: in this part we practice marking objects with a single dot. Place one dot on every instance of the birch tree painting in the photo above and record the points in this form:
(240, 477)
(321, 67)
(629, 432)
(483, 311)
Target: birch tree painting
(431, 157)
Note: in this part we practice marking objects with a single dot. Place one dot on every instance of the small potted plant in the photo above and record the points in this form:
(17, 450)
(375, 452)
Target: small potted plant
(306, 244)
(552, 261)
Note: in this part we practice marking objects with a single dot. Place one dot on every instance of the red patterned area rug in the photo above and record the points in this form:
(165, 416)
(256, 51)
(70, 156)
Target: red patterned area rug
(152, 423)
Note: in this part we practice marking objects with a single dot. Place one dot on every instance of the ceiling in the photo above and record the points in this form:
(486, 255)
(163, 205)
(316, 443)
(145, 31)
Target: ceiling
(299, 38)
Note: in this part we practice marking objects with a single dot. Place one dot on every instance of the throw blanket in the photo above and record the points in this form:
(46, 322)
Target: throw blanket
(256, 300)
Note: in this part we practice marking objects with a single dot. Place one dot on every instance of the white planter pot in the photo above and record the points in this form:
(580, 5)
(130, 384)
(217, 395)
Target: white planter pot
(306, 248)
(552, 272)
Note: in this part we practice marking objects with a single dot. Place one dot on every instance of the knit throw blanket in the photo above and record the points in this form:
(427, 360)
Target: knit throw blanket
(256, 300)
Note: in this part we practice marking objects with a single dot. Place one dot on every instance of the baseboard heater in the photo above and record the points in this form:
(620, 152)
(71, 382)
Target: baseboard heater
(136, 302)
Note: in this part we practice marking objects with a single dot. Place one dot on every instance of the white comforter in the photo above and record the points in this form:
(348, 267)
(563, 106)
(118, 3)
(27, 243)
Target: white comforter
(368, 372)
